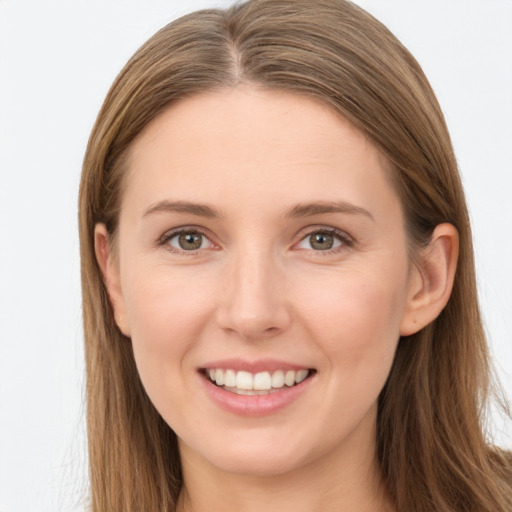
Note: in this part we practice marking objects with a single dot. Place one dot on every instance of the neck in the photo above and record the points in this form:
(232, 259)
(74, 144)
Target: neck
(344, 479)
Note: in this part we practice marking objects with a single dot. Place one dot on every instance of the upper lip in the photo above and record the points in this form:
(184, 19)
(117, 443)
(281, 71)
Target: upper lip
(260, 365)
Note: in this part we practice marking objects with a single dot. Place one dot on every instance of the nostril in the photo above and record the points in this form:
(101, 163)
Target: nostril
(251, 304)
(252, 327)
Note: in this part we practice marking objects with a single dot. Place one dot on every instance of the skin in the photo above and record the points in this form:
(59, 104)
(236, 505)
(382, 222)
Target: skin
(257, 288)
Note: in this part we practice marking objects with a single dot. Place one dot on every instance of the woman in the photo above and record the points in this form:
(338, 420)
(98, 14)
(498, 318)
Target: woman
(279, 295)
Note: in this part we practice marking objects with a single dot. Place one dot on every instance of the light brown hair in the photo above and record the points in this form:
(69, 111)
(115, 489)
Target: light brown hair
(432, 446)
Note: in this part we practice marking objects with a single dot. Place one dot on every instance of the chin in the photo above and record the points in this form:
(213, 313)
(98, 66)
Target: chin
(259, 453)
(271, 463)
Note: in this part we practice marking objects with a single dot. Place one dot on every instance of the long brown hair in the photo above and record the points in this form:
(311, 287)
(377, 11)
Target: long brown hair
(432, 446)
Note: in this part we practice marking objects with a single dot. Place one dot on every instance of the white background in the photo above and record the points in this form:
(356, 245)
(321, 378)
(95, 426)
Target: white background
(57, 60)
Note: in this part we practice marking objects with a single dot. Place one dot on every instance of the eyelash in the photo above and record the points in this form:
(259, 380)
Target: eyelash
(169, 235)
(344, 238)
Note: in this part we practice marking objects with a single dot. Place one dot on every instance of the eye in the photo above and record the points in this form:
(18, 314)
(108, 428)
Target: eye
(188, 241)
(324, 240)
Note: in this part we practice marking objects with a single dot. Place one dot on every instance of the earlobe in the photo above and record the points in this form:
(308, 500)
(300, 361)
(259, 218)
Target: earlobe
(432, 280)
(110, 272)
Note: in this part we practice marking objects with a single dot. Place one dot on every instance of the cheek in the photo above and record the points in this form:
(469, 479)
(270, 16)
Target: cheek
(356, 327)
(167, 315)
(355, 319)
(165, 306)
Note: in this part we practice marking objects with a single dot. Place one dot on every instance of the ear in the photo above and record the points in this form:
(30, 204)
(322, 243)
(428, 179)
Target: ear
(431, 279)
(111, 277)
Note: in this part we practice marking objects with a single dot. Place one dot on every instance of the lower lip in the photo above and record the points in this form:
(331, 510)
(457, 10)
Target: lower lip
(255, 405)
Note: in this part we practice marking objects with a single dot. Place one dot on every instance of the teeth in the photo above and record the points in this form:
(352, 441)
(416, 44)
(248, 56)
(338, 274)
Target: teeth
(262, 381)
(230, 378)
(300, 376)
(246, 383)
(244, 380)
(248, 391)
(219, 377)
(278, 379)
(289, 378)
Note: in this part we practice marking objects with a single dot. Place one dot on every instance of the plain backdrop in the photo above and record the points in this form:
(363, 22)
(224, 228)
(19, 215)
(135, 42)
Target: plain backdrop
(57, 60)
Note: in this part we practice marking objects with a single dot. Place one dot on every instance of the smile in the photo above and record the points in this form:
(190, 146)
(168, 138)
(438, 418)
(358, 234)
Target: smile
(261, 383)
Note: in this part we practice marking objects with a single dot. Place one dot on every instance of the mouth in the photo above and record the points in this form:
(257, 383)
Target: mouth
(261, 383)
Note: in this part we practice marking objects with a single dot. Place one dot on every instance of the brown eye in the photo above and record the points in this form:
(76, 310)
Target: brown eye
(188, 241)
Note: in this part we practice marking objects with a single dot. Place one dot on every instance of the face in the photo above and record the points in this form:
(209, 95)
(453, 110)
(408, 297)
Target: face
(261, 245)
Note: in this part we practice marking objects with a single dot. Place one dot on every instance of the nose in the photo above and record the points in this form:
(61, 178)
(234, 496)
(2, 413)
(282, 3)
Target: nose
(252, 302)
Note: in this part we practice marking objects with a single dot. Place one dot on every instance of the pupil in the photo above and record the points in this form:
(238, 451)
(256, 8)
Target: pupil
(321, 241)
(190, 241)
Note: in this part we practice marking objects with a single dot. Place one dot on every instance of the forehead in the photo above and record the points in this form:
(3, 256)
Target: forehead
(252, 116)
(245, 143)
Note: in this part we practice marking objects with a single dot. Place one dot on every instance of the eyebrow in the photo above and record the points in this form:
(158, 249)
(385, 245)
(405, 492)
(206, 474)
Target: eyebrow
(201, 210)
(300, 210)
(316, 208)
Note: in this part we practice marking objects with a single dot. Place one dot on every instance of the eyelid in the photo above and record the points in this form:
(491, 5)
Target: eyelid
(346, 239)
(171, 233)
